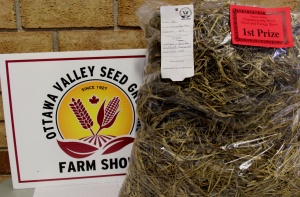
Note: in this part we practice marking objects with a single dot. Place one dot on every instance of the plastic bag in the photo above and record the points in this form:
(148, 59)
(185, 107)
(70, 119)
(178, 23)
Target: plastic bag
(231, 130)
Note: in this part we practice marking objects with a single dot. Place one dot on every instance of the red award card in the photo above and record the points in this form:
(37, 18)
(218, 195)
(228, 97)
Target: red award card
(264, 27)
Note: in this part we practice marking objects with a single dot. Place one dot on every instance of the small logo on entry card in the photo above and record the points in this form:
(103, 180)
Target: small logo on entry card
(185, 13)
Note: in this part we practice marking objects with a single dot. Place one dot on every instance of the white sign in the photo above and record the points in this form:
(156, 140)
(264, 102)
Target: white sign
(70, 116)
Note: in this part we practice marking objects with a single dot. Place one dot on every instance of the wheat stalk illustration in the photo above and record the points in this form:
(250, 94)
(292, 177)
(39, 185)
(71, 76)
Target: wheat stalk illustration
(82, 115)
(107, 115)
(111, 110)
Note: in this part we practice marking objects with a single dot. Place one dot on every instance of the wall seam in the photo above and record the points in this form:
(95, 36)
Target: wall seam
(18, 15)
(55, 41)
(115, 9)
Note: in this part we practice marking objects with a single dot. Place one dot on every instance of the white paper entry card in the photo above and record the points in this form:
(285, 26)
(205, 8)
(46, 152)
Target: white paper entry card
(177, 54)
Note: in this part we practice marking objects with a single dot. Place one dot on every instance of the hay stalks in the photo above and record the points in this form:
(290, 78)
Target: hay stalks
(231, 130)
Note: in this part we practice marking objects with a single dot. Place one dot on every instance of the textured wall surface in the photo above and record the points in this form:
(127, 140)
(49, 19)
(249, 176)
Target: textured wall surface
(75, 25)
(71, 13)
(126, 10)
(22, 42)
(97, 40)
(7, 14)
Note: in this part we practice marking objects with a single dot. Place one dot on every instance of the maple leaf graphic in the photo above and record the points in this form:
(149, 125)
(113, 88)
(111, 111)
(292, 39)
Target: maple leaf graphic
(94, 100)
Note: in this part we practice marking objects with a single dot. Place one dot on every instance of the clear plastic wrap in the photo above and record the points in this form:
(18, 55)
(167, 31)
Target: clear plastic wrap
(231, 130)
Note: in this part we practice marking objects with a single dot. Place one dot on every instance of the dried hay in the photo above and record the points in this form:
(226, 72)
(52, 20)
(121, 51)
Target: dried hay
(231, 130)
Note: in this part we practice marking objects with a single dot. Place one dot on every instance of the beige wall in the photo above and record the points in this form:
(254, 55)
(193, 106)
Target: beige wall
(72, 25)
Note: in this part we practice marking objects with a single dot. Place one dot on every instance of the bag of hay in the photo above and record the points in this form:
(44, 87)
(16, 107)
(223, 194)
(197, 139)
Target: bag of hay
(230, 130)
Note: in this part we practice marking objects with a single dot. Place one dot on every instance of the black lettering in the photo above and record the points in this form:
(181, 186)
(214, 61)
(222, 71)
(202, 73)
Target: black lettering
(259, 32)
(245, 32)
(117, 75)
(71, 167)
(132, 87)
(46, 121)
(101, 87)
(80, 166)
(47, 128)
(83, 72)
(90, 166)
(113, 164)
(87, 88)
(70, 79)
(135, 94)
(123, 80)
(104, 164)
(47, 114)
(123, 163)
(64, 82)
(110, 72)
(57, 86)
(61, 166)
(91, 69)
(52, 97)
(103, 71)
(76, 76)
(268, 33)
(248, 32)
(50, 135)
(48, 105)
